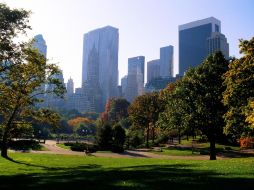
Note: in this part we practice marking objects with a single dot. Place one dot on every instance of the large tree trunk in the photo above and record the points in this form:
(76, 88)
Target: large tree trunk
(4, 146)
(147, 137)
(212, 149)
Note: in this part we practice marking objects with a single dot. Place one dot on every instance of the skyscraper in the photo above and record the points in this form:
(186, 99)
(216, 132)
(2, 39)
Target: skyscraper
(124, 84)
(135, 78)
(100, 47)
(70, 87)
(193, 41)
(153, 69)
(166, 61)
(40, 44)
(218, 42)
(137, 65)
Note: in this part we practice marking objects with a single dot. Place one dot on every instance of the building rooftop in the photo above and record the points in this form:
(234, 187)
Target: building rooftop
(199, 23)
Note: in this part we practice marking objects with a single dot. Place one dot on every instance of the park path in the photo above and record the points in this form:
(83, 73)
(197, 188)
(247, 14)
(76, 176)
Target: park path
(52, 148)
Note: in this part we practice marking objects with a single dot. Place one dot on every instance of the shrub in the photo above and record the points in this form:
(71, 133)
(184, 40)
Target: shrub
(136, 138)
(104, 137)
(118, 138)
(25, 145)
(81, 147)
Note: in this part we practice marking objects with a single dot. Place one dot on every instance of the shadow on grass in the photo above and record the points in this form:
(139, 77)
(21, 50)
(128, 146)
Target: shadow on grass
(176, 176)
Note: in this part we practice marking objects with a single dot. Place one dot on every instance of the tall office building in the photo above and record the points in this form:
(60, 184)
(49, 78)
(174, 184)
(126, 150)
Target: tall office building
(166, 61)
(100, 48)
(137, 65)
(135, 78)
(70, 87)
(218, 42)
(40, 44)
(124, 84)
(52, 100)
(153, 69)
(193, 41)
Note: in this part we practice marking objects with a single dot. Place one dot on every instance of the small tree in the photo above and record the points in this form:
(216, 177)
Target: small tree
(104, 136)
(118, 138)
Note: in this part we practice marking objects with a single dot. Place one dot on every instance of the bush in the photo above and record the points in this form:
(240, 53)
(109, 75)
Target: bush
(136, 138)
(104, 137)
(25, 145)
(118, 138)
(81, 147)
(162, 139)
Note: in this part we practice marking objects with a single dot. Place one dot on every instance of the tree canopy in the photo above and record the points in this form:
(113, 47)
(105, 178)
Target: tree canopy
(239, 82)
(23, 70)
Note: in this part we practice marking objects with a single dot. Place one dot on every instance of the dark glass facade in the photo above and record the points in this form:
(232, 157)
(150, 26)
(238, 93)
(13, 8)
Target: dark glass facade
(192, 46)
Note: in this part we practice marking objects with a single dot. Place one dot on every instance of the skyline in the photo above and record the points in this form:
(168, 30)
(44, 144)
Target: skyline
(144, 26)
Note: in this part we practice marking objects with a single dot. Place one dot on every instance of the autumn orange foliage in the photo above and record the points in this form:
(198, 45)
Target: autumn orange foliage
(76, 121)
(247, 142)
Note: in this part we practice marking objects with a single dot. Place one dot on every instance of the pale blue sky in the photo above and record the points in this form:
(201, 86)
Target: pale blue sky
(144, 26)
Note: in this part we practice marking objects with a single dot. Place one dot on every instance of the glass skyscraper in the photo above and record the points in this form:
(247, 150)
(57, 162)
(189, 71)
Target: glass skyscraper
(153, 69)
(100, 48)
(135, 78)
(40, 44)
(193, 41)
(166, 61)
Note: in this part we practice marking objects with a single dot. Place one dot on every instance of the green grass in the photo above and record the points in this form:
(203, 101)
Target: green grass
(41, 171)
(64, 146)
(176, 152)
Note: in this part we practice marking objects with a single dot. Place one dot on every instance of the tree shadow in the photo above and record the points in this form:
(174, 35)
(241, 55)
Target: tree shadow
(149, 177)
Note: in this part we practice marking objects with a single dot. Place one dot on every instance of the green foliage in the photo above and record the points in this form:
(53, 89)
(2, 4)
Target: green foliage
(118, 138)
(81, 147)
(85, 129)
(239, 82)
(125, 123)
(196, 101)
(22, 72)
(25, 145)
(118, 110)
(135, 138)
(144, 111)
(104, 136)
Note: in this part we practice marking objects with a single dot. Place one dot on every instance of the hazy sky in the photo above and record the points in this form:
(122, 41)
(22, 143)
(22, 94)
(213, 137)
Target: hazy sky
(144, 26)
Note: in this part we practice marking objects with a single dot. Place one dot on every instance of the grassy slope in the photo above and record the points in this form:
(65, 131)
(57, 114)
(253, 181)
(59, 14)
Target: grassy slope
(38, 171)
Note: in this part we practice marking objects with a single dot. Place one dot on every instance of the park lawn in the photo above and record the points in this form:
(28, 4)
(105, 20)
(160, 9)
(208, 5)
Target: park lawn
(46, 171)
(63, 146)
(176, 152)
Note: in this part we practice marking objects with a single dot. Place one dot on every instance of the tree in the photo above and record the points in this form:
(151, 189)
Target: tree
(239, 82)
(173, 115)
(22, 72)
(118, 138)
(250, 113)
(144, 112)
(118, 109)
(104, 136)
(205, 90)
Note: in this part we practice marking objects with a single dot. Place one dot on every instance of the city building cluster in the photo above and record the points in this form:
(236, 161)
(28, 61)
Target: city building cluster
(197, 40)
